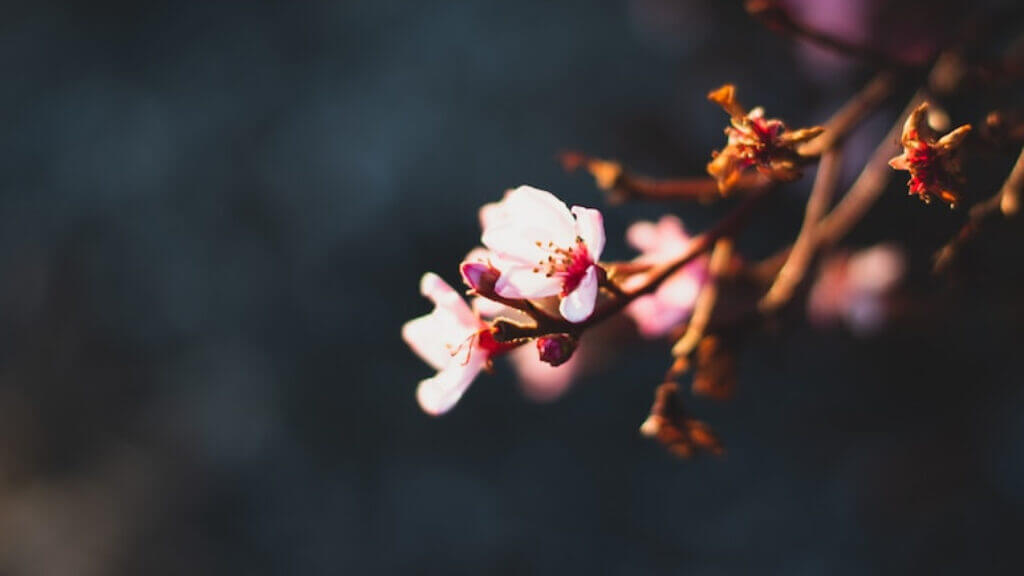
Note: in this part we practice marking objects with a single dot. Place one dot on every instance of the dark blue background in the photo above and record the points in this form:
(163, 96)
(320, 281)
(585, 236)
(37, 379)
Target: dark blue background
(213, 218)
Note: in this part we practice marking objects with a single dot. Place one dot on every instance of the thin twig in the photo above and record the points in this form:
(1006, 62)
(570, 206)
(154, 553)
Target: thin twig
(706, 300)
(1012, 189)
(868, 186)
(622, 184)
(799, 259)
(844, 120)
(1004, 203)
(777, 18)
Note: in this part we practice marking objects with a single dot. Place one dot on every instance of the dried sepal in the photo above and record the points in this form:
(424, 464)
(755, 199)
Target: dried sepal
(933, 163)
(755, 141)
(669, 424)
(714, 372)
(606, 173)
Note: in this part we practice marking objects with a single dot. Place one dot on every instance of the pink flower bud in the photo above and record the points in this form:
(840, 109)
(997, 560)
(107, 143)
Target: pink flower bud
(480, 276)
(556, 349)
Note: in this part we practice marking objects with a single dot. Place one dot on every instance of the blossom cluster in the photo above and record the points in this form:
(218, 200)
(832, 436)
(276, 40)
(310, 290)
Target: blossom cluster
(536, 287)
(539, 259)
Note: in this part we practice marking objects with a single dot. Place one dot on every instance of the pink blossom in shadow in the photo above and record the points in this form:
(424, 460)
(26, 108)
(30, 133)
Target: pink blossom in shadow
(656, 314)
(855, 288)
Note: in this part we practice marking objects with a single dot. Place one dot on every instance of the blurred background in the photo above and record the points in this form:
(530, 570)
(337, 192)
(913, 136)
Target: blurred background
(213, 219)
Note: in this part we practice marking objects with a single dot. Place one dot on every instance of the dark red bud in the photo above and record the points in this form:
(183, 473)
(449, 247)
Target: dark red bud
(556, 349)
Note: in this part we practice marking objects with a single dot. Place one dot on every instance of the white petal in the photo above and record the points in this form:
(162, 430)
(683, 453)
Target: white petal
(439, 394)
(523, 282)
(578, 305)
(446, 298)
(421, 335)
(590, 227)
(526, 216)
(527, 203)
(519, 243)
(433, 337)
(492, 214)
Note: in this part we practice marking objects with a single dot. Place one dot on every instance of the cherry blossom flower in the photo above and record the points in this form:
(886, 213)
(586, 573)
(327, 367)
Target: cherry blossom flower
(855, 287)
(934, 165)
(542, 248)
(757, 141)
(656, 314)
(453, 340)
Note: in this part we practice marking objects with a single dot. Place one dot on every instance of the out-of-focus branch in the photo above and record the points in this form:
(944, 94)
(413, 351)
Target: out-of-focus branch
(705, 304)
(623, 185)
(777, 17)
(1004, 203)
(1012, 189)
(804, 248)
(868, 186)
(844, 120)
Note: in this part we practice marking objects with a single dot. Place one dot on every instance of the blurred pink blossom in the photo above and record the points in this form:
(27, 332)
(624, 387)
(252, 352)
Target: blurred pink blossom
(542, 248)
(854, 288)
(656, 314)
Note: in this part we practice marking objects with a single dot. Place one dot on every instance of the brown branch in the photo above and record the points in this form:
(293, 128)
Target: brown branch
(721, 255)
(623, 185)
(844, 120)
(1011, 192)
(773, 15)
(795, 267)
(868, 186)
(1005, 203)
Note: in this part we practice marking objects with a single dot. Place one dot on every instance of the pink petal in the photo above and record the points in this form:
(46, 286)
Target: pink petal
(578, 305)
(542, 382)
(523, 282)
(643, 236)
(522, 243)
(439, 394)
(658, 242)
(433, 337)
(526, 204)
(681, 289)
(876, 269)
(653, 317)
(527, 216)
(590, 227)
(445, 297)
(421, 334)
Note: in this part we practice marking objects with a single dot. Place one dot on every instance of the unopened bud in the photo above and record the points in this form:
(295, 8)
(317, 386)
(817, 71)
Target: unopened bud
(556, 349)
(480, 276)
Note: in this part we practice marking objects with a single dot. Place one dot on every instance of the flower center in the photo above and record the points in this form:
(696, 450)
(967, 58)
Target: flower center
(569, 264)
(757, 139)
(924, 172)
(483, 340)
